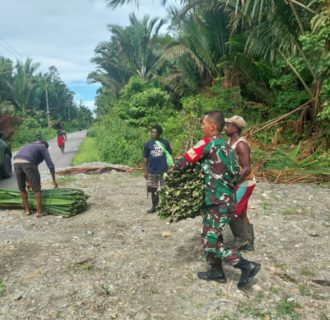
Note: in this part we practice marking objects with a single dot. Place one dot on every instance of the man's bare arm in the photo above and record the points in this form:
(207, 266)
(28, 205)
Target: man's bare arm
(243, 151)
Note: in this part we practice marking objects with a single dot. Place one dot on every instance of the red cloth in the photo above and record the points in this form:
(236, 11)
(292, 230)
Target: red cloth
(243, 196)
(60, 141)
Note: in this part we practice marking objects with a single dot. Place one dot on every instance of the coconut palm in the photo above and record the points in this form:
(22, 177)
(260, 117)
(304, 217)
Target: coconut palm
(138, 44)
(207, 50)
(112, 71)
(6, 73)
(132, 50)
(23, 85)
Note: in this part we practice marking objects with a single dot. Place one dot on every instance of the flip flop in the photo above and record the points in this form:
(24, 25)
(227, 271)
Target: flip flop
(39, 215)
(27, 213)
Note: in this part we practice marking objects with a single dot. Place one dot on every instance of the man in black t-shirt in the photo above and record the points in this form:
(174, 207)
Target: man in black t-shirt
(155, 164)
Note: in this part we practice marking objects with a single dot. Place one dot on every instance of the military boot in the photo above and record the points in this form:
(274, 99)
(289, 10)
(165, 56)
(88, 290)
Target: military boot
(248, 271)
(215, 273)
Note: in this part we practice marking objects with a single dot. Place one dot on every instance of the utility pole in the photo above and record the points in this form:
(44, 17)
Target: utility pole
(69, 112)
(48, 113)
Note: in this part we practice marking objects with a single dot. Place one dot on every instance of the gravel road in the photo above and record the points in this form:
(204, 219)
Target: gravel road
(115, 261)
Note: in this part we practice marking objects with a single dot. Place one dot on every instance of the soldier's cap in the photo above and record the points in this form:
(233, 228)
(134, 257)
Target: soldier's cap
(237, 120)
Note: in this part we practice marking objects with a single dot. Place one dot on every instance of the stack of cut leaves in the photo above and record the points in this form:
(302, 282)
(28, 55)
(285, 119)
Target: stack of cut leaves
(65, 202)
(183, 195)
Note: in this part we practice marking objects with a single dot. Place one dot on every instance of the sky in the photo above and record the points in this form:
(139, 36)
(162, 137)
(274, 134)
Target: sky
(64, 34)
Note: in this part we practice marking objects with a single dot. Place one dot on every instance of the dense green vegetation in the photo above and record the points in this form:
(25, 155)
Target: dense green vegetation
(260, 59)
(33, 103)
(267, 60)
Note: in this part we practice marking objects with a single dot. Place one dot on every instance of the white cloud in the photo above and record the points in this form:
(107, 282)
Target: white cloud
(63, 33)
(90, 104)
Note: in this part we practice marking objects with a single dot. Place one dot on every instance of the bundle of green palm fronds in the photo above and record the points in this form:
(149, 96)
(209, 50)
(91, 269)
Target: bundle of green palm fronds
(183, 195)
(64, 202)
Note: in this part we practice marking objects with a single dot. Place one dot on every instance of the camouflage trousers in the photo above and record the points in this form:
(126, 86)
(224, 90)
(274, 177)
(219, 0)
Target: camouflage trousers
(215, 219)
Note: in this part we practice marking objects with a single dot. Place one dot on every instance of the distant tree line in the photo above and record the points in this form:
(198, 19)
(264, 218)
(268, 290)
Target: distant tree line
(40, 99)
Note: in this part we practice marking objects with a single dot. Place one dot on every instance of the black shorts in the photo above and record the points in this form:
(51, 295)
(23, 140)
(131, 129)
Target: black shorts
(28, 171)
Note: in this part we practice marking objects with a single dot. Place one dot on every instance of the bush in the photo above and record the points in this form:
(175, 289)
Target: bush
(28, 131)
(144, 108)
(119, 143)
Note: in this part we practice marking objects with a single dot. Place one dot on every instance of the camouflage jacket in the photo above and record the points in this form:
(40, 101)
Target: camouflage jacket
(219, 166)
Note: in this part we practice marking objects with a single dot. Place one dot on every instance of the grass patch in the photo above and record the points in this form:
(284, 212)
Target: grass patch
(288, 309)
(2, 288)
(66, 180)
(137, 173)
(228, 317)
(87, 152)
(304, 290)
(307, 272)
(266, 206)
(291, 211)
(282, 266)
(250, 310)
(85, 265)
(274, 290)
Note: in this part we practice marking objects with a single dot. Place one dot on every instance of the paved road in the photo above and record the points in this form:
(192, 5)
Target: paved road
(60, 160)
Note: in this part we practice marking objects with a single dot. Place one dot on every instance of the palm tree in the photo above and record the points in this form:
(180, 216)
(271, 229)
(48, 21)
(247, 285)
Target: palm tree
(112, 71)
(132, 50)
(207, 50)
(22, 87)
(138, 44)
(6, 74)
(275, 31)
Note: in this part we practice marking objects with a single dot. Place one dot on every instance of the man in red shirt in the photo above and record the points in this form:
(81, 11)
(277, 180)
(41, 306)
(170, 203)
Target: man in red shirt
(61, 138)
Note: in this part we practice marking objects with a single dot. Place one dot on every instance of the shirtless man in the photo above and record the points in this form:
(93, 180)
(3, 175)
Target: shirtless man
(245, 184)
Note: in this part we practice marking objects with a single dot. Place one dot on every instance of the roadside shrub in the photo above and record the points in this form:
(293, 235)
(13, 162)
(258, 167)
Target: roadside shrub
(144, 108)
(119, 143)
(28, 130)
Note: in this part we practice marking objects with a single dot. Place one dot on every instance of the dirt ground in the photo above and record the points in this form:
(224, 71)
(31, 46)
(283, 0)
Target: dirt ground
(115, 261)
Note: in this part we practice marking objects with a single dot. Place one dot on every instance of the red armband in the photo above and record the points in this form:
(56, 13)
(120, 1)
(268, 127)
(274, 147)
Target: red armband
(196, 152)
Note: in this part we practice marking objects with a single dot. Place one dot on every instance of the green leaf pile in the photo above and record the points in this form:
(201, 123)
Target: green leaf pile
(65, 202)
(183, 195)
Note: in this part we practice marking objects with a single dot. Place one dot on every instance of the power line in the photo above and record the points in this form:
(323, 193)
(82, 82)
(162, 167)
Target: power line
(9, 48)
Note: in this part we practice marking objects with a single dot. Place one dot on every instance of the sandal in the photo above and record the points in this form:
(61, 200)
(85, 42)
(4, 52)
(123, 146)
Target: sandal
(39, 215)
(27, 213)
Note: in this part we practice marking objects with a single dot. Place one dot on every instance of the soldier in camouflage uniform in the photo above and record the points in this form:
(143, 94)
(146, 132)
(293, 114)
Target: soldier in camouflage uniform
(220, 172)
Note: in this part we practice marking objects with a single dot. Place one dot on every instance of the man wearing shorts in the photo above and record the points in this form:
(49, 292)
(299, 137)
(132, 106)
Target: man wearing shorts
(155, 164)
(26, 163)
(241, 226)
